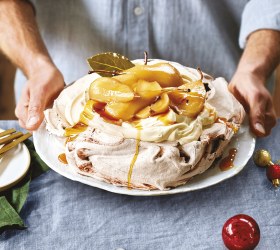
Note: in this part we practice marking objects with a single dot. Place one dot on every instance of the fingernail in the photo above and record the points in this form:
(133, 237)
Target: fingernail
(33, 120)
(260, 128)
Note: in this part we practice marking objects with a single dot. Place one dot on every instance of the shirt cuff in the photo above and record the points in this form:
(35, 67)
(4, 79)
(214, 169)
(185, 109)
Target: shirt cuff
(259, 14)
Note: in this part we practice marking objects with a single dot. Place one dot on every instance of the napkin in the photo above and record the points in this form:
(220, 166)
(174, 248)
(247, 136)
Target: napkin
(12, 200)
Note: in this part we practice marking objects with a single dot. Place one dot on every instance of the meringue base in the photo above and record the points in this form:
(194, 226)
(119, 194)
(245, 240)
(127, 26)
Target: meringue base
(158, 165)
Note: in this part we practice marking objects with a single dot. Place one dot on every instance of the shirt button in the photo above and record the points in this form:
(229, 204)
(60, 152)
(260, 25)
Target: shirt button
(138, 11)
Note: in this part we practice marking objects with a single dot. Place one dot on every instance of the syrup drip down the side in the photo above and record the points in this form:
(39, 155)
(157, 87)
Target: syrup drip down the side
(134, 158)
(228, 124)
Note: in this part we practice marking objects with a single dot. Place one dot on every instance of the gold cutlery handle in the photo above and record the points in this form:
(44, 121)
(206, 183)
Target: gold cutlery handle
(10, 138)
(7, 132)
(14, 143)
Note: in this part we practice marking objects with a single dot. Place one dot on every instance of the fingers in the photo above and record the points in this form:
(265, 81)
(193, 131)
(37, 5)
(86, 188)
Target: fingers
(21, 110)
(30, 108)
(250, 91)
(40, 90)
(257, 117)
(36, 107)
(262, 117)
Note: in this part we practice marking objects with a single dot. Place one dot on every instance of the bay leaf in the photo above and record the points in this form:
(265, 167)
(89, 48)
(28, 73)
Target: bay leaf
(109, 61)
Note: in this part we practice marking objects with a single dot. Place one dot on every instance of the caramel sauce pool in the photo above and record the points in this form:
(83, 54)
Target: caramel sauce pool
(134, 158)
(62, 158)
(227, 162)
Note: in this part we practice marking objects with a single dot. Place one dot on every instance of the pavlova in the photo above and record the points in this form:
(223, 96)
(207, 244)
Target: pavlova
(145, 124)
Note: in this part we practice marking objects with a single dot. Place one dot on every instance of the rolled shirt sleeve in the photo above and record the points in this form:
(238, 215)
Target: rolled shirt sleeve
(259, 14)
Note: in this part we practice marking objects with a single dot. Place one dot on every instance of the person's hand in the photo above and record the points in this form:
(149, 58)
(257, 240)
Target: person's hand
(251, 92)
(40, 90)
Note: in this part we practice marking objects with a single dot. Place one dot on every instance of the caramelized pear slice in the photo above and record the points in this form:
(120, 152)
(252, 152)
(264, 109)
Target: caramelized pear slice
(163, 73)
(125, 111)
(106, 89)
(195, 86)
(147, 90)
(144, 113)
(191, 102)
(177, 97)
(192, 105)
(127, 79)
(161, 105)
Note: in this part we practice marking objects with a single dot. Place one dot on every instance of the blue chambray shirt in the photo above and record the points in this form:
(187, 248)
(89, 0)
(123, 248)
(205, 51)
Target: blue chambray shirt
(195, 33)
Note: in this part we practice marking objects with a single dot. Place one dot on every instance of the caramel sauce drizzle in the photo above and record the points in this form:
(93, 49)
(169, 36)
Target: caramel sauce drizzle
(62, 158)
(107, 117)
(164, 119)
(72, 133)
(82, 125)
(134, 158)
(227, 162)
(70, 138)
(228, 124)
(212, 114)
(75, 130)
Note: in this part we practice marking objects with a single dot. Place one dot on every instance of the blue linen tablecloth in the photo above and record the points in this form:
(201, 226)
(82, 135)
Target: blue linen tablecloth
(63, 214)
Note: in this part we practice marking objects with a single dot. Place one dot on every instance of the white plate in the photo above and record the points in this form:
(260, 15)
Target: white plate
(13, 166)
(49, 147)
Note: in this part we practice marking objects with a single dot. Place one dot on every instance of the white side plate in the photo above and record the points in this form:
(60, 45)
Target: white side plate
(13, 166)
(49, 147)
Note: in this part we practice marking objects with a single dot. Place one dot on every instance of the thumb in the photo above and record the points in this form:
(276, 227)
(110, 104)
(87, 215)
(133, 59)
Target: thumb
(257, 116)
(35, 110)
